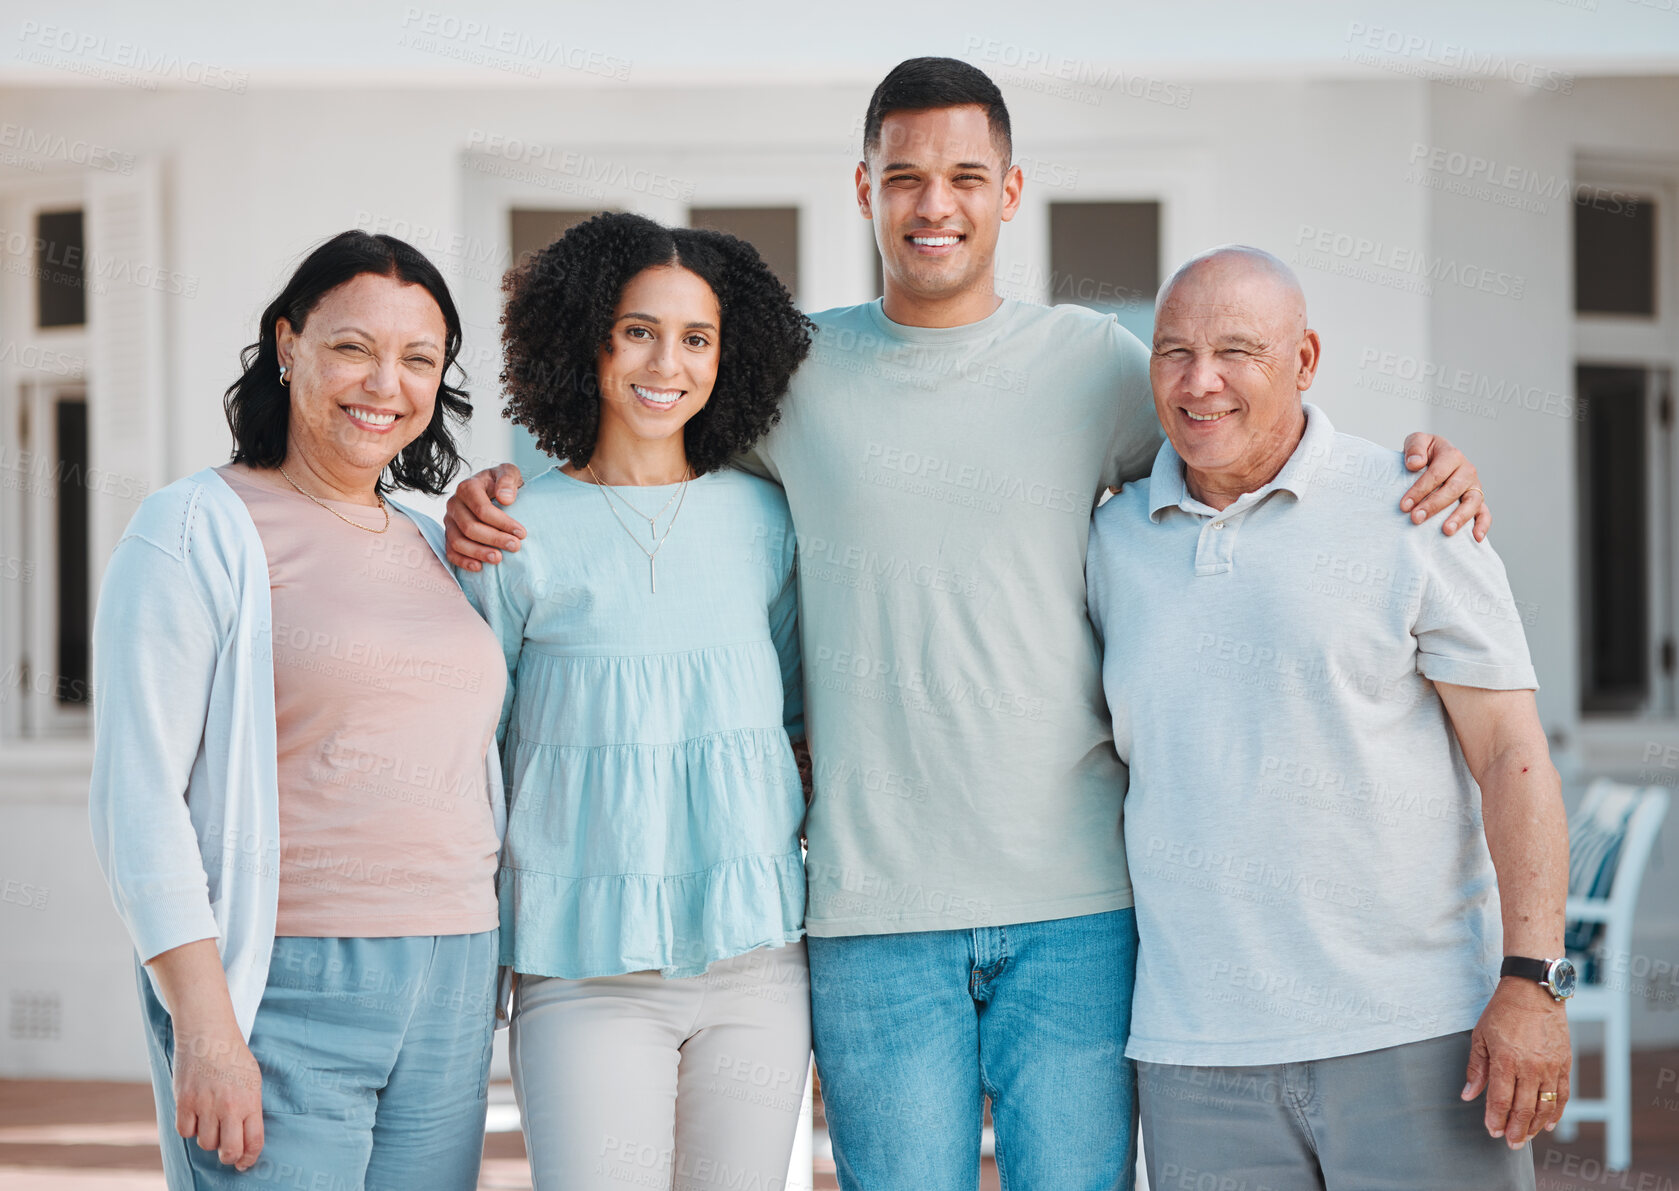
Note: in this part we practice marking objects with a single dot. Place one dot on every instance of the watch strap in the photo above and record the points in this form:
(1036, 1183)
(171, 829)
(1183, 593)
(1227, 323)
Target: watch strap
(1527, 969)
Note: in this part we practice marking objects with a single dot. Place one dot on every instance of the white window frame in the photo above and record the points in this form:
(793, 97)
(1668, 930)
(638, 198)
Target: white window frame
(1618, 741)
(40, 367)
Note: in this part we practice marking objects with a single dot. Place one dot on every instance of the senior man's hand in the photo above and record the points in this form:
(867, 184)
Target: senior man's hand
(1520, 1050)
(1447, 476)
(473, 527)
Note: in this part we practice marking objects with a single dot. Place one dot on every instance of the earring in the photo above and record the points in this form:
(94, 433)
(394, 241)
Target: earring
(283, 370)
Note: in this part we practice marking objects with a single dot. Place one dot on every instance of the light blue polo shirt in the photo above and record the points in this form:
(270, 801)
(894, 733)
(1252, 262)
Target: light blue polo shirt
(1305, 842)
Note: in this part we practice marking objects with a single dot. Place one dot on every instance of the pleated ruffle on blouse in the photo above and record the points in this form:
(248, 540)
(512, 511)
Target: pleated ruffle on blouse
(654, 836)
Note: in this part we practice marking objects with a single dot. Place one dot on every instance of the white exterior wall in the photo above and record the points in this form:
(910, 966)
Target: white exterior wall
(249, 183)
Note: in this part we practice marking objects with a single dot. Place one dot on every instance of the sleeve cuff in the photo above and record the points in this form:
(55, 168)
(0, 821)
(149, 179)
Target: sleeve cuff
(1459, 672)
(164, 923)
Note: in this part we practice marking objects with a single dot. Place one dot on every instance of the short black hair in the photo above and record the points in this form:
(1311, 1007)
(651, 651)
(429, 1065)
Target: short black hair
(561, 305)
(917, 84)
(258, 406)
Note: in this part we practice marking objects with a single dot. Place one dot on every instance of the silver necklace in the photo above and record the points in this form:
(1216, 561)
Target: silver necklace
(679, 496)
(651, 532)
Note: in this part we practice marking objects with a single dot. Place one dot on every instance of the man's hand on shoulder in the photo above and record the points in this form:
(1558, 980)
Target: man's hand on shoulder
(475, 530)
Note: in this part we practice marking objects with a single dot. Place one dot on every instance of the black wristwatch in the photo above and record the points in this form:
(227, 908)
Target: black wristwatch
(1555, 976)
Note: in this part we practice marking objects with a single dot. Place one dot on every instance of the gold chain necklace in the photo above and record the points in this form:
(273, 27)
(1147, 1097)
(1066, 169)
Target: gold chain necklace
(340, 516)
(680, 496)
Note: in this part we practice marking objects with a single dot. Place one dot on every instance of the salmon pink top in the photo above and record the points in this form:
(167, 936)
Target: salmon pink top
(387, 687)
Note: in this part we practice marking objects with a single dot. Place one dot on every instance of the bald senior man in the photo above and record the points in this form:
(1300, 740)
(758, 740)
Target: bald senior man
(1307, 696)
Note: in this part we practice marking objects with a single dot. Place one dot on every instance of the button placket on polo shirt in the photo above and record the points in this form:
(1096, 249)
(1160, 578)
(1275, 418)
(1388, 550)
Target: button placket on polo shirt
(1215, 548)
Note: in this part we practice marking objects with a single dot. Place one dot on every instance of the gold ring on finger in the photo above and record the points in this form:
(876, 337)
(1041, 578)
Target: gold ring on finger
(1547, 1097)
(1467, 491)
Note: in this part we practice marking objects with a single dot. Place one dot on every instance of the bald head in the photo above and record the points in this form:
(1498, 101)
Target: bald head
(1239, 272)
(1232, 354)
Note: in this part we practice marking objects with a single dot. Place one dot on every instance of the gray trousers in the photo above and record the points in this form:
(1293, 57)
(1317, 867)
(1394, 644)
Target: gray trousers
(639, 1081)
(1383, 1120)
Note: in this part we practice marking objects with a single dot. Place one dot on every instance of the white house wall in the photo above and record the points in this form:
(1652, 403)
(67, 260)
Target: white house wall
(252, 181)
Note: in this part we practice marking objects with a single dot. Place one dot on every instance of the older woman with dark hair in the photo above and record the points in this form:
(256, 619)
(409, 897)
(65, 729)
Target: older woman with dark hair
(652, 890)
(294, 799)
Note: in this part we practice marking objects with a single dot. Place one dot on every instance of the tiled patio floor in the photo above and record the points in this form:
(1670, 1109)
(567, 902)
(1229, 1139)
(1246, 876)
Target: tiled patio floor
(71, 1136)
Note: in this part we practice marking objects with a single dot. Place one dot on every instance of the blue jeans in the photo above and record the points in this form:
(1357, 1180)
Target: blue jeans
(375, 1057)
(913, 1030)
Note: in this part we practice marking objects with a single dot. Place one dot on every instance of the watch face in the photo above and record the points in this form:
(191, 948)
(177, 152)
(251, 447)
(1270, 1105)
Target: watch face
(1562, 978)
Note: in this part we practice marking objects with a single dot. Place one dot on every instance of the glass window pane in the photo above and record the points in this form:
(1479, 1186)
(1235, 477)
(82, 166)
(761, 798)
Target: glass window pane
(1107, 256)
(74, 630)
(1615, 257)
(773, 231)
(531, 230)
(1614, 528)
(60, 269)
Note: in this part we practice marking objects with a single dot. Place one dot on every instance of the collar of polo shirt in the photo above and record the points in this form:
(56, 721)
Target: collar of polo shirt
(1167, 488)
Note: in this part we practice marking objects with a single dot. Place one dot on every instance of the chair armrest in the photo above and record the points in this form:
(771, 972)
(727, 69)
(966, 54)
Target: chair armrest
(1587, 909)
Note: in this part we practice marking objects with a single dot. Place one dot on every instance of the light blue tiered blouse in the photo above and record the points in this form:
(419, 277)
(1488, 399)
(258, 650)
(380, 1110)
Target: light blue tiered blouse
(654, 803)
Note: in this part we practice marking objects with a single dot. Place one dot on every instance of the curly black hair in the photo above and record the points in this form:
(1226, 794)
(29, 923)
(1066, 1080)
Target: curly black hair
(561, 305)
(258, 406)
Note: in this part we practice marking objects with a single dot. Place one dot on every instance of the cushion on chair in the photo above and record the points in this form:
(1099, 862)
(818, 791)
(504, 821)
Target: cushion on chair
(1595, 835)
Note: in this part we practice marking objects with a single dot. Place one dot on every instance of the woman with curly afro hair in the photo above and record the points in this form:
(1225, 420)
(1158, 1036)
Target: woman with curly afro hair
(652, 886)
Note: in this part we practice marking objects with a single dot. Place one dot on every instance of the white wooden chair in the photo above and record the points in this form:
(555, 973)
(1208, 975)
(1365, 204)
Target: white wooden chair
(1610, 838)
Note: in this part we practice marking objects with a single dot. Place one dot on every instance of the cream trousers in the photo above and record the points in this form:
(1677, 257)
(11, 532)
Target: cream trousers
(682, 1085)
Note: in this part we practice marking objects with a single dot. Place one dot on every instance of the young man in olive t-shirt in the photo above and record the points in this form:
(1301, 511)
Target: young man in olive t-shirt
(942, 449)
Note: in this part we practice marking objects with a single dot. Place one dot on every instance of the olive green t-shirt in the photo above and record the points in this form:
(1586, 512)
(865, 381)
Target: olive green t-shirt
(941, 482)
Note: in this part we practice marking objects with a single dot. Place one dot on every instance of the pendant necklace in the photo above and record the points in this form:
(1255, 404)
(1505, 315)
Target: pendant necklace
(679, 496)
(651, 534)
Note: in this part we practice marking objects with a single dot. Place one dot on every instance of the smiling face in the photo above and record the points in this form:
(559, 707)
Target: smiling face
(1232, 354)
(660, 363)
(364, 370)
(938, 190)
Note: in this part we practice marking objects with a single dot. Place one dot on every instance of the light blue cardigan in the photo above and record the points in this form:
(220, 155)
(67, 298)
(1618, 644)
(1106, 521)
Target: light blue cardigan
(185, 795)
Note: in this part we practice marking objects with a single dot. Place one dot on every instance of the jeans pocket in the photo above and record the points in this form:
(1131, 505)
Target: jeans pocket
(280, 1043)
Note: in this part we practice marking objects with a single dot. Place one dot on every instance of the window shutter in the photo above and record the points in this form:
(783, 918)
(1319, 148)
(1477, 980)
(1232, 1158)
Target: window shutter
(128, 281)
